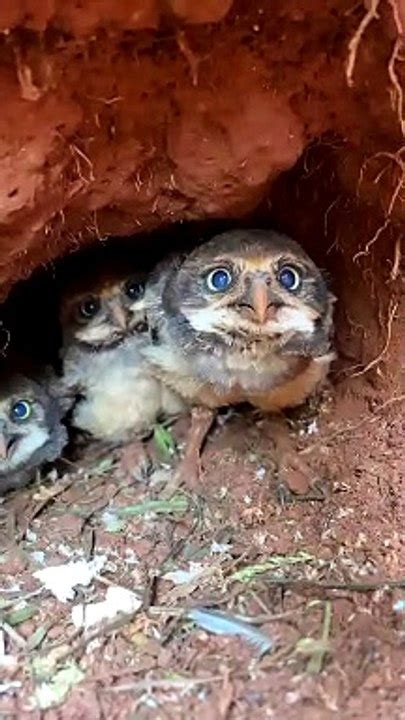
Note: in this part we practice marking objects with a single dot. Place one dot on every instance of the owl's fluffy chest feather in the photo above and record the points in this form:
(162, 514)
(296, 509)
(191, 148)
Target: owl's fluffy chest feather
(120, 396)
(220, 378)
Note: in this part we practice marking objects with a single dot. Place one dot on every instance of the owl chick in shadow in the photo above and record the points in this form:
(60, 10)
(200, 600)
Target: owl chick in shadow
(245, 317)
(104, 328)
(31, 431)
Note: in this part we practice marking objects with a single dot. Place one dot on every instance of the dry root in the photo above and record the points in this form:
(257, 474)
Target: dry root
(393, 307)
(192, 59)
(371, 14)
(398, 159)
(398, 93)
(397, 259)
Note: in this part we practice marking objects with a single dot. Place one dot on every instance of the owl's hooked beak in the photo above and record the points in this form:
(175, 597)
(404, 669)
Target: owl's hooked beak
(3, 447)
(260, 299)
(7, 445)
(119, 316)
(258, 302)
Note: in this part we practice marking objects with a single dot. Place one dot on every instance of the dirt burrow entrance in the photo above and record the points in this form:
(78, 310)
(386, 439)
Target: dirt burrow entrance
(121, 121)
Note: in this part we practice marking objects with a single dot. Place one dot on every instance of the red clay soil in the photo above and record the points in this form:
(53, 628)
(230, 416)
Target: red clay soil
(160, 667)
(123, 117)
(118, 118)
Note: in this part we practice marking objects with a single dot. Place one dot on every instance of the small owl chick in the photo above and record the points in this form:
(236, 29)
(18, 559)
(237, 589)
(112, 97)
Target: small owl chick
(245, 317)
(104, 326)
(31, 432)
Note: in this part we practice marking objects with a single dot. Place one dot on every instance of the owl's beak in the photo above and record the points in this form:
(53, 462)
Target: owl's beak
(119, 316)
(7, 445)
(3, 447)
(260, 299)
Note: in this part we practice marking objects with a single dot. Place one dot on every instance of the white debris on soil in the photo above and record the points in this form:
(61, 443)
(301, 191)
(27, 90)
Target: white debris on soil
(118, 600)
(219, 548)
(182, 577)
(9, 687)
(399, 606)
(61, 580)
(53, 692)
(6, 661)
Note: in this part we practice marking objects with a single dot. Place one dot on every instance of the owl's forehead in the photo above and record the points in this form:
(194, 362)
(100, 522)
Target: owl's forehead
(104, 285)
(17, 387)
(111, 289)
(253, 250)
(252, 262)
(256, 262)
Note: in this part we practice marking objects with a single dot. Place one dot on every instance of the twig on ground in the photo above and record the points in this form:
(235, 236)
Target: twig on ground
(316, 661)
(13, 634)
(325, 585)
(40, 507)
(159, 684)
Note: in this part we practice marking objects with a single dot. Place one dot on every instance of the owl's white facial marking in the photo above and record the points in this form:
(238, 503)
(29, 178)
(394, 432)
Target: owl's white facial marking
(221, 319)
(104, 316)
(26, 446)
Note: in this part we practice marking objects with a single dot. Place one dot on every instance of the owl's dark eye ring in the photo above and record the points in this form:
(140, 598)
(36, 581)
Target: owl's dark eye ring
(21, 410)
(289, 278)
(89, 307)
(134, 289)
(219, 280)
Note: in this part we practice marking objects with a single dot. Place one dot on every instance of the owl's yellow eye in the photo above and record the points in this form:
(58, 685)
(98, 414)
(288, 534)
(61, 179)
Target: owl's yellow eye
(219, 280)
(21, 410)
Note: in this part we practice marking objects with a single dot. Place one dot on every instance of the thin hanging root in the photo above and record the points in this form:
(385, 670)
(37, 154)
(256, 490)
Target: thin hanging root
(29, 91)
(398, 92)
(192, 59)
(398, 159)
(397, 259)
(397, 18)
(354, 43)
(373, 240)
(391, 315)
(372, 14)
(76, 151)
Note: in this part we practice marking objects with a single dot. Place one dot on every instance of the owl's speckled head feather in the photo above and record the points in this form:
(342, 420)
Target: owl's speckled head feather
(31, 432)
(103, 308)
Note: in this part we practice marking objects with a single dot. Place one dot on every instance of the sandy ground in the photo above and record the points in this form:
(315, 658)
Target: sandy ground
(320, 577)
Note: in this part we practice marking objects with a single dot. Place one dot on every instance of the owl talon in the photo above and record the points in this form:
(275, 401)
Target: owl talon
(189, 471)
(284, 495)
(297, 482)
(135, 462)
